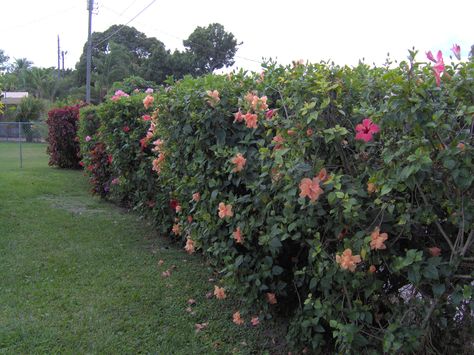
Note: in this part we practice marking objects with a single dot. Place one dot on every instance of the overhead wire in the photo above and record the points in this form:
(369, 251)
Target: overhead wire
(122, 26)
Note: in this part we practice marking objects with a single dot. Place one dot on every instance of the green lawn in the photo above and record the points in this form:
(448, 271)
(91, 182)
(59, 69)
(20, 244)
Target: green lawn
(78, 275)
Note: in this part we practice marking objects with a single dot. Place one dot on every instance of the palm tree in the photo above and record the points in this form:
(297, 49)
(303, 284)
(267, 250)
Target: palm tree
(20, 68)
(21, 64)
(41, 82)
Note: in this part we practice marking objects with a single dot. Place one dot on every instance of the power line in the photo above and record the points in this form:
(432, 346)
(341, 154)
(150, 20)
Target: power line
(129, 6)
(121, 27)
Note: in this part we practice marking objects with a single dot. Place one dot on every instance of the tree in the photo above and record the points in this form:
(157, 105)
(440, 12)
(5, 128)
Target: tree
(138, 46)
(111, 67)
(20, 69)
(211, 48)
(41, 82)
(3, 61)
(29, 109)
(122, 51)
(159, 65)
(131, 83)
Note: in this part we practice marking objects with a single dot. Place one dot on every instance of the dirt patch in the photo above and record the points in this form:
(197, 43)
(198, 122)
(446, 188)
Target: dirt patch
(74, 204)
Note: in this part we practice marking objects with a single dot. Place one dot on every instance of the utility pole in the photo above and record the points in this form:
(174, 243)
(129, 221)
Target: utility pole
(63, 53)
(59, 60)
(90, 7)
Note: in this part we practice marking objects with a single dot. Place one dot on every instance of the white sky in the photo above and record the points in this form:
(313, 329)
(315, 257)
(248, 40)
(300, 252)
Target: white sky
(340, 30)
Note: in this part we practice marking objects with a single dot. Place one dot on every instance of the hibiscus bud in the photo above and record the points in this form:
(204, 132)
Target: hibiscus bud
(434, 251)
(371, 187)
(456, 51)
(269, 114)
(430, 56)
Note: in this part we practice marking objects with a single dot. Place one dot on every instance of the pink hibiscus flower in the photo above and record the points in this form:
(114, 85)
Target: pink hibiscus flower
(366, 129)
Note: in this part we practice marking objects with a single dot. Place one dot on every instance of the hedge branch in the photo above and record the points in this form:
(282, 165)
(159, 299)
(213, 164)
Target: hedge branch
(440, 228)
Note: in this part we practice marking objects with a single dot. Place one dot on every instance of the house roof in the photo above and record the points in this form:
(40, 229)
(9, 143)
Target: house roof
(13, 97)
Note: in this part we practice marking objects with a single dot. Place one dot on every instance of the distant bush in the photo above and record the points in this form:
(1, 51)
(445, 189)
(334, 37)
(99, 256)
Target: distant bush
(30, 109)
(340, 197)
(63, 144)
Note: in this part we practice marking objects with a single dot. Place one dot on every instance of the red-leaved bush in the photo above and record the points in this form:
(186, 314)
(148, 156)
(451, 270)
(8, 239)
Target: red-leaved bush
(63, 146)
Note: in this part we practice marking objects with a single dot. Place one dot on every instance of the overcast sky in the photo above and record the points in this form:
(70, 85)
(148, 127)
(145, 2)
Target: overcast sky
(340, 30)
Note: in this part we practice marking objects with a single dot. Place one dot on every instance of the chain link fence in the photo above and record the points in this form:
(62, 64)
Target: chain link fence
(21, 139)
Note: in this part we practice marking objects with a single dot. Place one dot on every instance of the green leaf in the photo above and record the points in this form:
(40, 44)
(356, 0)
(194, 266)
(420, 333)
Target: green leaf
(292, 226)
(331, 197)
(220, 135)
(239, 260)
(325, 103)
(277, 270)
(275, 243)
(385, 190)
(438, 289)
(431, 272)
(449, 164)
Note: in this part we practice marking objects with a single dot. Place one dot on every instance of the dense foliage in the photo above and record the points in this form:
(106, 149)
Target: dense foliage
(121, 51)
(340, 197)
(63, 145)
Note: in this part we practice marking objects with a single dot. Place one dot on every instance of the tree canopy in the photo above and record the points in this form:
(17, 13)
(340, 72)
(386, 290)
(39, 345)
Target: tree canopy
(123, 51)
(122, 54)
(3, 60)
(211, 48)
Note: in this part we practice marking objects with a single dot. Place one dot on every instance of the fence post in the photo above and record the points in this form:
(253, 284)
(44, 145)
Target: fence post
(19, 140)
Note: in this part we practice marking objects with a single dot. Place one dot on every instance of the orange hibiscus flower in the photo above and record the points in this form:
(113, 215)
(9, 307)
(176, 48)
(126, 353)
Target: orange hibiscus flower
(225, 210)
(271, 298)
(219, 292)
(347, 261)
(250, 120)
(239, 162)
(378, 239)
(255, 321)
(237, 319)
(189, 246)
(239, 238)
(213, 97)
(310, 188)
(148, 101)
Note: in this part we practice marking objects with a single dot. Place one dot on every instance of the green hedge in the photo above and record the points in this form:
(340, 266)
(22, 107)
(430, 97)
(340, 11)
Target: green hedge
(346, 205)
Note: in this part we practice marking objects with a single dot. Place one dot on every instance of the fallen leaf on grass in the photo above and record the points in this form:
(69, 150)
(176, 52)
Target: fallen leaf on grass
(200, 326)
(191, 301)
(161, 262)
(255, 321)
(209, 295)
(166, 273)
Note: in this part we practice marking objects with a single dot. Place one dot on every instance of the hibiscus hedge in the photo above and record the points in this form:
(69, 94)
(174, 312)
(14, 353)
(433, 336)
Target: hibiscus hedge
(340, 197)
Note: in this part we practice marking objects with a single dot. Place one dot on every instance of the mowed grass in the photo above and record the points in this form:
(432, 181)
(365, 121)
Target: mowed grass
(79, 275)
